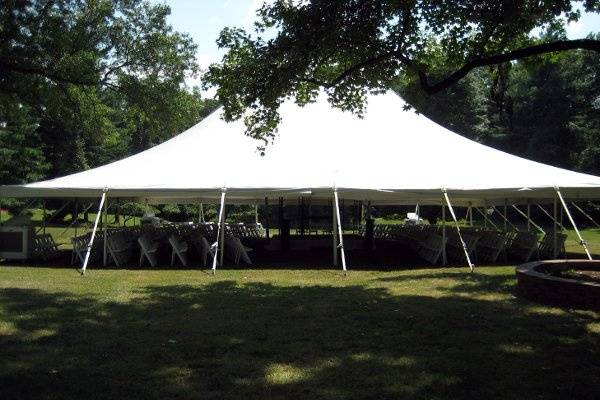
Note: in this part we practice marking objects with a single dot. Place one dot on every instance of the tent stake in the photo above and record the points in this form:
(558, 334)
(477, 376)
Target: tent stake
(581, 241)
(91, 242)
(341, 245)
(220, 233)
(462, 242)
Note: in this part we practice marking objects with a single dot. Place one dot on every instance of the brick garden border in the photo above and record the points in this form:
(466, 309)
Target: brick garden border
(535, 284)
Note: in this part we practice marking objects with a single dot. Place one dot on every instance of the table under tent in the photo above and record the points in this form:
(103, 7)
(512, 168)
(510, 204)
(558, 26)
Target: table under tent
(325, 157)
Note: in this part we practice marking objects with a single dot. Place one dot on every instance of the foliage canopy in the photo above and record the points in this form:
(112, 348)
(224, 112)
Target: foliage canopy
(351, 47)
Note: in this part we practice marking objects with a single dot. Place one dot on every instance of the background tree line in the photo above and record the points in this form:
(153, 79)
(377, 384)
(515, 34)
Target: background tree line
(83, 83)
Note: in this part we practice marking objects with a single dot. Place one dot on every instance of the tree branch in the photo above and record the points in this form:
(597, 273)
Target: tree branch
(45, 73)
(563, 45)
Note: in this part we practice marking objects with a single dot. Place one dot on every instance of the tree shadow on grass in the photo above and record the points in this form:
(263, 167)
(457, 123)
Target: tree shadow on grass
(257, 340)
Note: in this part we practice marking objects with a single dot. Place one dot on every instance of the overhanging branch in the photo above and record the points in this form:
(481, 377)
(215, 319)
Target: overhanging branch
(564, 45)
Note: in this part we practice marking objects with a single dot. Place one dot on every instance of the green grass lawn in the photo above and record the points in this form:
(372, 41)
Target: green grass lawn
(288, 334)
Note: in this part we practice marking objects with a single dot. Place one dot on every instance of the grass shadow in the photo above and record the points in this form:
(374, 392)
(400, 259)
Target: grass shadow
(227, 339)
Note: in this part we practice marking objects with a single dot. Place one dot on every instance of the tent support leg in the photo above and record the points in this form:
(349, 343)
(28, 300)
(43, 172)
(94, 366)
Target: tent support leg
(586, 214)
(444, 258)
(581, 241)
(220, 234)
(91, 243)
(200, 213)
(334, 234)
(462, 242)
(256, 214)
(339, 226)
(105, 233)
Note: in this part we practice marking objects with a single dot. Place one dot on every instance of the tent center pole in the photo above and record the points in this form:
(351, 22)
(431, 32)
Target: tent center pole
(91, 242)
(462, 242)
(220, 233)
(339, 226)
(444, 258)
(200, 213)
(581, 241)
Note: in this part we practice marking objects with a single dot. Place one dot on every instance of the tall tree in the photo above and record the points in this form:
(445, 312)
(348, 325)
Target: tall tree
(100, 79)
(351, 47)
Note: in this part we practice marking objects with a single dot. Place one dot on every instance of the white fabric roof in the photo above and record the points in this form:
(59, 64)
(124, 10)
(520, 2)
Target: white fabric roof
(389, 156)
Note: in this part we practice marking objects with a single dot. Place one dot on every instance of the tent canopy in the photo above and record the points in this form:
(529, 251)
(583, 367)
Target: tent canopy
(390, 156)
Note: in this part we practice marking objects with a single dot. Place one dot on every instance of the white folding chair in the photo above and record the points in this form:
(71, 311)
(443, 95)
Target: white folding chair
(236, 251)
(180, 249)
(148, 249)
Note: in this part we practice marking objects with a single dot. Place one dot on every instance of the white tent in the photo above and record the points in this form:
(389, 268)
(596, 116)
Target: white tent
(390, 156)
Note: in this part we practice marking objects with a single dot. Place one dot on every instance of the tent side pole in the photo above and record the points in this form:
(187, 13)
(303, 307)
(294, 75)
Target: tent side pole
(444, 258)
(585, 214)
(220, 234)
(529, 220)
(341, 246)
(105, 234)
(582, 242)
(462, 242)
(256, 214)
(334, 235)
(91, 242)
